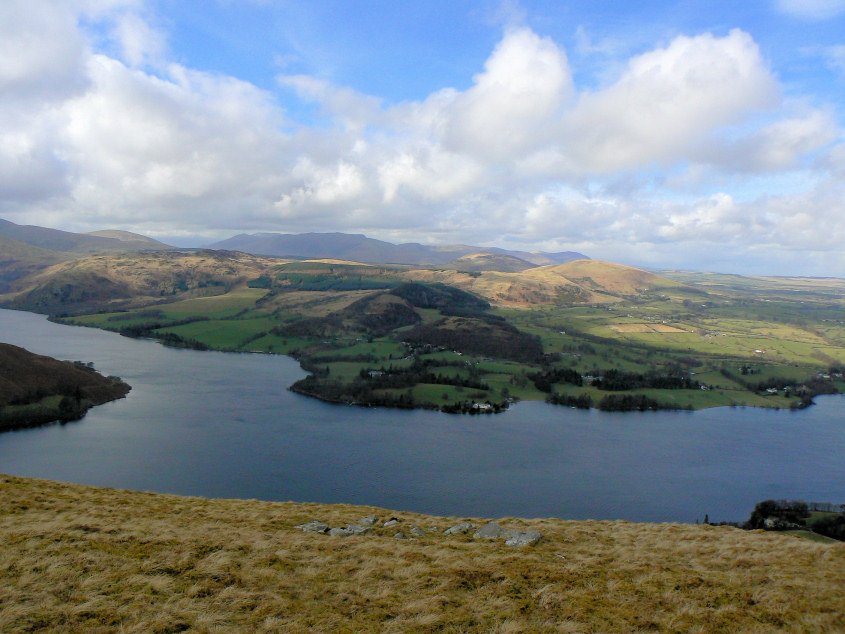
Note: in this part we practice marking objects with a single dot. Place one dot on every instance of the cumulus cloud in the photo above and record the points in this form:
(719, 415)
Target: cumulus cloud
(42, 54)
(91, 137)
(525, 83)
(668, 100)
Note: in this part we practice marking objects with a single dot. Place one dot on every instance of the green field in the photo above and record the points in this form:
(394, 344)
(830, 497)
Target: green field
(749, 343)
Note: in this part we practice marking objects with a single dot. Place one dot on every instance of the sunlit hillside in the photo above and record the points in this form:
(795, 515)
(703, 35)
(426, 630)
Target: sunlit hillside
(98, 560)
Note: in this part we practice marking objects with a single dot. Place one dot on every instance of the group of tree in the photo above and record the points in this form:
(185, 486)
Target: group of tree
(581, 401)
(794, 514)
(395, 378)
(544, 379)
(483, 337)
(615, 380)
(632, 403)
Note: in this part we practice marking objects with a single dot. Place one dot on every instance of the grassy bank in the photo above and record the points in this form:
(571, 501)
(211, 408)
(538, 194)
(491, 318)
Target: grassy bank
(78, 558)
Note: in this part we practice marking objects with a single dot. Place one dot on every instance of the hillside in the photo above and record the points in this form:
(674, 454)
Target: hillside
(32, 388)
(607, 277)
(585, 333)
(360, 248)
(485, 261)
(18, 259)
(77, 243)
(341, 246)
(27, 249)
(133, 278)
(78, 558)
(131, 240)
(579, 281)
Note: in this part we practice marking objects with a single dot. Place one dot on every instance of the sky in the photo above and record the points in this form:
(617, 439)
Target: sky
(700, 135)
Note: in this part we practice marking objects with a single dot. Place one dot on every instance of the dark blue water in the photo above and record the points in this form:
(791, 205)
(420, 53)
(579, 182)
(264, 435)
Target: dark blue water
(224, 425)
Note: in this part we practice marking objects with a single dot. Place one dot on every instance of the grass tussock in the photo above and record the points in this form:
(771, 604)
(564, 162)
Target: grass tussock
(78, 558)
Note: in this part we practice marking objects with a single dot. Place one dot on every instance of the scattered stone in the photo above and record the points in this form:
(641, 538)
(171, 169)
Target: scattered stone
(391, 522)
(340, 532)
(356, 529)
(527, 538)
(489, 531)
(370, 520)
(778, 524)
(458, 529)
(400, 535)
(416, 531)
(314, 526)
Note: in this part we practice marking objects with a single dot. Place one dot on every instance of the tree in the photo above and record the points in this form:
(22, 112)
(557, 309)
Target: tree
(69, 409)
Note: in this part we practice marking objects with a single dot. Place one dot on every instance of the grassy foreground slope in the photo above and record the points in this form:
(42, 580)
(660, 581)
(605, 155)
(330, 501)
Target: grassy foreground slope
(77, 558)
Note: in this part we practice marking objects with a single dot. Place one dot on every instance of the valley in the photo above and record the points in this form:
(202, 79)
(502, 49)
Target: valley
(583, 333)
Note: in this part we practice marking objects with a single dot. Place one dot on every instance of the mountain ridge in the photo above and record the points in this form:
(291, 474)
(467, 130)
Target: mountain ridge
(361, 248)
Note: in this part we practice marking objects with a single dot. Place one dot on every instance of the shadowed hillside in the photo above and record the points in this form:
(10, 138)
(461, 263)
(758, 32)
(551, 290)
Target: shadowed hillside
(18, 259)
(87, 559)
(35, 389)
(78, 243)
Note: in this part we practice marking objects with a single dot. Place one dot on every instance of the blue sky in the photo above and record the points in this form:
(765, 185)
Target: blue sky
(698, 135)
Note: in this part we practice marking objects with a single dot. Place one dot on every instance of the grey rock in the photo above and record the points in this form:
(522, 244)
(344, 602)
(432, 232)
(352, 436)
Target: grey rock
(357, 529)
(370, 520)
(778, 524)
(457, 529)
(527, 538)
(489, 531)
(417, 531)
(340, 532)
(391, 522)
(400, 535)
(314, 526)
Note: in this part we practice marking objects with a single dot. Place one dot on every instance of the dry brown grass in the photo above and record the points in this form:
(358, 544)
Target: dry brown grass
(76, 558)
(597, 281)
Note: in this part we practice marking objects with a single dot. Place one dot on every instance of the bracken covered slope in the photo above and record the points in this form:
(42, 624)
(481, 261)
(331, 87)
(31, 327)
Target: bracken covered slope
(86, 559)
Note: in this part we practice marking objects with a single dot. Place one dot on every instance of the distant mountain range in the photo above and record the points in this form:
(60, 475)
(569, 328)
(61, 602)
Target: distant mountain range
(25, 249)
(360, 248)
(78, 243)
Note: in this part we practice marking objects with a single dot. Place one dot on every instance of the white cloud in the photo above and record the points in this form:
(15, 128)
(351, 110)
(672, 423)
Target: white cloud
(525, 83)
(140, 43)
(669, 100)
(811, 9)
(89, 138)
(42, 55)
(835, 56)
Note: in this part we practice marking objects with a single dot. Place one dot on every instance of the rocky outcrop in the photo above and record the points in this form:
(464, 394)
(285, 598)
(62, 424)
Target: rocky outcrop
(459, 529)
(366, 525)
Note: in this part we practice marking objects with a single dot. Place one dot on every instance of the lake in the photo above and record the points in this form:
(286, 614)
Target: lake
(224, 425)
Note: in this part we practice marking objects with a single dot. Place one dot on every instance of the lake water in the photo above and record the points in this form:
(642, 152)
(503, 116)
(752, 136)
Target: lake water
(224, 425)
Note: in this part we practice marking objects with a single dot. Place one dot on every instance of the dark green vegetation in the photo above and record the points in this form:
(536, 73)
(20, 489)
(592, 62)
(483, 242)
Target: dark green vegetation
(813, 520)
(583, 334)
(35, 389)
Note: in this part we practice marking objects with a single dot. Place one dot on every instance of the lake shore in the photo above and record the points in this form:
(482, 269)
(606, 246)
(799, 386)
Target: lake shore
(78, 557)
